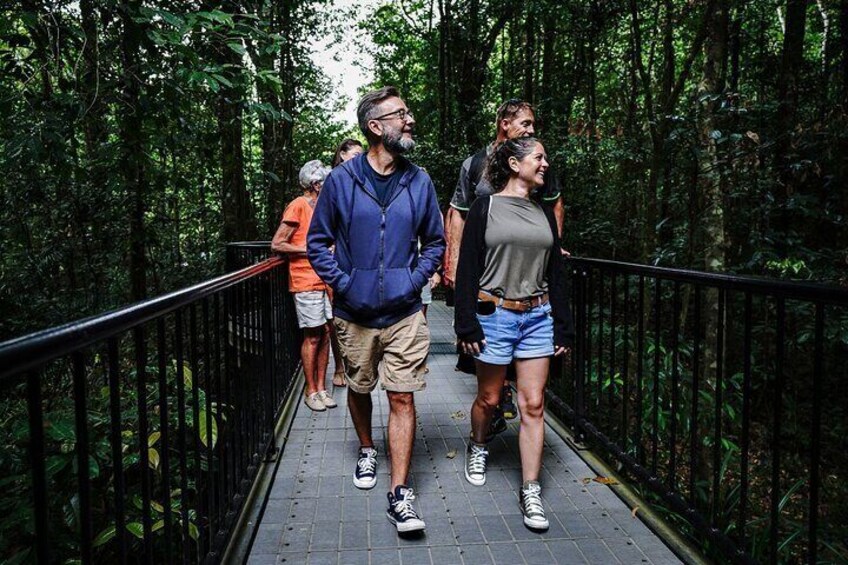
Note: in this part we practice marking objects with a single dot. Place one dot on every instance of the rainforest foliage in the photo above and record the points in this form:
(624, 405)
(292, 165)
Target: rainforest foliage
(137, 137)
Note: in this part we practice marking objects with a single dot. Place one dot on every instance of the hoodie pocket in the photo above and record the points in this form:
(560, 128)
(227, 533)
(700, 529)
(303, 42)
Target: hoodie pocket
(361, 294)
(398, 288)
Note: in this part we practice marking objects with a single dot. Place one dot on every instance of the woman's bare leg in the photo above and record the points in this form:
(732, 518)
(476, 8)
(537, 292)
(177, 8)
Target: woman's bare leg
(532, 377)
(490, 379)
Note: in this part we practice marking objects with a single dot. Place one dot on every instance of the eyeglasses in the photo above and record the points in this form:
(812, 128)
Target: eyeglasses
(403, 113)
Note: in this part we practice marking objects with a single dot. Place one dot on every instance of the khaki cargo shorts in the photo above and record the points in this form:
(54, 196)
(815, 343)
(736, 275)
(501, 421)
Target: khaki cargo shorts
(395, 355)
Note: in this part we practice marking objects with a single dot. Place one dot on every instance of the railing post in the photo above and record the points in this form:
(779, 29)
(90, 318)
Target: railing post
(267, 318)
(580, 276)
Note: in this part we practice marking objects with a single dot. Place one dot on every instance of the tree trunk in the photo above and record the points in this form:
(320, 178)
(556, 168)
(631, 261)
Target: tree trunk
(710, 173)
(549, 58)
(825, 59)
(90, 87)
(443, 90)
(132, 158)
(529, 54)
(239, 218)
(843, 25)
(272, 139)
(788, 87)
(735, 46)
(287, 102)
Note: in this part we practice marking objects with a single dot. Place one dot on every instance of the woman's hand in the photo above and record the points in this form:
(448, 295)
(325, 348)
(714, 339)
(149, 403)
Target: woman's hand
(435, 280)
(561, 350)
(472, 347)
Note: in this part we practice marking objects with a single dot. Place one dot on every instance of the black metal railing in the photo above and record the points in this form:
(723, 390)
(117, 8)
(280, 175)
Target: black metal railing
(724, 397)
(134, 436)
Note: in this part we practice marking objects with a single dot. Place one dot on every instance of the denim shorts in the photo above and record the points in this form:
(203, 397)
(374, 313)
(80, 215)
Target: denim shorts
(517, 335)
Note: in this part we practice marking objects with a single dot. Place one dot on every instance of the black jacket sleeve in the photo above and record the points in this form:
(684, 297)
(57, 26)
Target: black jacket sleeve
(559, 290)
(468, 271)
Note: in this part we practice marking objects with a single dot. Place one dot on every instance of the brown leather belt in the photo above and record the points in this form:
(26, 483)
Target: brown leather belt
(521, 305)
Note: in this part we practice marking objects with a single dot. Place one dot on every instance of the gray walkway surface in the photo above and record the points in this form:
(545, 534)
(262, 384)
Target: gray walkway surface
(316, 515)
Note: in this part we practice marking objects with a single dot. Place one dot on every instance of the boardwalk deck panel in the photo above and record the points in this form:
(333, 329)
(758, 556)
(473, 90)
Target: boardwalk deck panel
(316, 515)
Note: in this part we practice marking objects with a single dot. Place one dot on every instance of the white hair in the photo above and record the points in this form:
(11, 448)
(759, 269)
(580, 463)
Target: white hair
(312, 172)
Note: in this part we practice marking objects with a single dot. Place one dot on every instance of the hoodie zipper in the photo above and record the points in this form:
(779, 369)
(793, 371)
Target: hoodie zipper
(382, 248)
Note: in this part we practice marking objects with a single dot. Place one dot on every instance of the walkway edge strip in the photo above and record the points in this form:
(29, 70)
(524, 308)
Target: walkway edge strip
(675, 542)
(244, 533)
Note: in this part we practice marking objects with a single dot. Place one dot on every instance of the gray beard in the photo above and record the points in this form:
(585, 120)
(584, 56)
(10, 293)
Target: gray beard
(397, 144)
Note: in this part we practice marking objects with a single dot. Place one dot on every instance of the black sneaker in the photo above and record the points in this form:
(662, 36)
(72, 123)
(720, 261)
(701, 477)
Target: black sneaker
(508, 404)
(400, 511)
(365, 475)
(497, 425)
(530, 501)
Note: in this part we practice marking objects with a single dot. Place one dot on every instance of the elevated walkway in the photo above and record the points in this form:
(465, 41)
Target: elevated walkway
(315, 515)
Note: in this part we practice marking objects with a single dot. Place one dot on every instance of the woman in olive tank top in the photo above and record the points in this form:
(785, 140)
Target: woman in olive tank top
(511, 305)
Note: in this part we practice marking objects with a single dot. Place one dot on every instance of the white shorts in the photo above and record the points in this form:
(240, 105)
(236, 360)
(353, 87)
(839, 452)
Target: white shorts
(313, 308)
(426, 294)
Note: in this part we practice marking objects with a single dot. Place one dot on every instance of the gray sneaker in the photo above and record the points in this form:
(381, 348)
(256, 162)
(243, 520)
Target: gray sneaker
(530, 501)
(476, 457)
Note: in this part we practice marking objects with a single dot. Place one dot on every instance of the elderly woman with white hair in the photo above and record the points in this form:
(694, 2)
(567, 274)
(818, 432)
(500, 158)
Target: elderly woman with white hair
(311, 296)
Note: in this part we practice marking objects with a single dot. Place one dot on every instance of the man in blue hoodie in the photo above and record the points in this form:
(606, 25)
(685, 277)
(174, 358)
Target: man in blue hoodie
(376, 209)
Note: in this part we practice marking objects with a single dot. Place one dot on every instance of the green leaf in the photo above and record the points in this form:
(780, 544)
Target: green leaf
(60, 430)
(153, 458)
(172, 19)
(237, 47)
(202, 429)
(56, 463)
(136, 529)
(93, 468)
(153, 438)
(187, 374)
(192, 531)
(105, 536)
(158, 525)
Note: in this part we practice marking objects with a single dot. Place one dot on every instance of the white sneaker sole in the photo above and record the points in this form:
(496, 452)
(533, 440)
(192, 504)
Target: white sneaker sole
(408, 526)
(536, 524)
(364, 484)
(473, 481)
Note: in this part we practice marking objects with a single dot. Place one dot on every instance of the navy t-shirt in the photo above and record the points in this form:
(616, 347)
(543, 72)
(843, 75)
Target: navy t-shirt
(384, 185)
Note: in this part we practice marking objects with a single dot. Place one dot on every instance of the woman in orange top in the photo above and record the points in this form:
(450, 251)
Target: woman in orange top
(311, 296)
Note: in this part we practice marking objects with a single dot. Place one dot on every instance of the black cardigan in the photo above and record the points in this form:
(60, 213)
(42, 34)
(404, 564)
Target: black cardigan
(472, 258)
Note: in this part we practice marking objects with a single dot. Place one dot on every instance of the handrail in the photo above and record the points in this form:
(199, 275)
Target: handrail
(28, 352)
(684, 379)
(816, 292)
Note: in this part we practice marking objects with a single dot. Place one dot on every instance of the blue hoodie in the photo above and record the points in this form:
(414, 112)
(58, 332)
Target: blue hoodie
(376, 271)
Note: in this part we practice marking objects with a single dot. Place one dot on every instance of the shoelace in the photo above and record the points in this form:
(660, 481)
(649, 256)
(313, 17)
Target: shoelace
(366, 464)
(403, 506)
(533, 501)
(477, 460)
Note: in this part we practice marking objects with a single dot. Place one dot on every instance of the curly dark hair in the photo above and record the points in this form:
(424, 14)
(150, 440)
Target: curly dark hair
(498, 170)
(344, 146)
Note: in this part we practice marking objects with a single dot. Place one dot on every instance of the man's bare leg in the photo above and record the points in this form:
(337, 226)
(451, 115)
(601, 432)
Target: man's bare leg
(401, 434)
(360, 407)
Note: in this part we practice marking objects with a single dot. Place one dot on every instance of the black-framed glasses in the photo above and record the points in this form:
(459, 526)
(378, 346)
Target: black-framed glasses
(403, 113)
